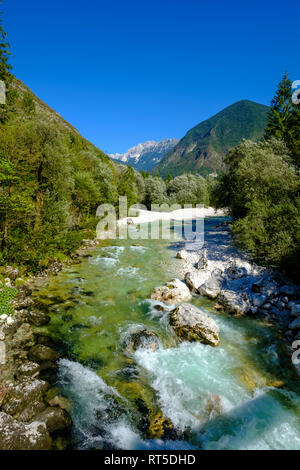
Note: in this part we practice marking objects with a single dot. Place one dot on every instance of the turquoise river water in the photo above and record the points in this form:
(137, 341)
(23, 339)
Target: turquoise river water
(243, 394)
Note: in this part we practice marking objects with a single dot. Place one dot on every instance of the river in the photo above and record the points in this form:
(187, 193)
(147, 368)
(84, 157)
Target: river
(242, 394)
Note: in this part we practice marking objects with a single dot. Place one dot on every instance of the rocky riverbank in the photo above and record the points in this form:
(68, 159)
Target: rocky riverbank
(219, 271)
(33, 415)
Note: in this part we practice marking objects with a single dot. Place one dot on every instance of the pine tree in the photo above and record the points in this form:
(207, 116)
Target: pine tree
(280, 115)
(284, 118)
(169, 178)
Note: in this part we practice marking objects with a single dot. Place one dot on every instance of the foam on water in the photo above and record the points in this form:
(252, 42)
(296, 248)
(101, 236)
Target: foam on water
(197, 390)
(94, 416)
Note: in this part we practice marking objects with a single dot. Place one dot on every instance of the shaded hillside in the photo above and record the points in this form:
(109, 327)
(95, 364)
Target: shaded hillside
(203, 148)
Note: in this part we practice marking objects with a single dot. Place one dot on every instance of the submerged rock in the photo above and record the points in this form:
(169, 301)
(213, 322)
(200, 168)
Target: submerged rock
(142, 338)
(172, 292)
(37, 318)
(160, 427)
(192, 324)
(15, 435)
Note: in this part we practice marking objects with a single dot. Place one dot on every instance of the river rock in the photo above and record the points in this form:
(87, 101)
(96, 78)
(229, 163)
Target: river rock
(60, 401)
(25, 400)
(295, 310)
(11, 272)
(289, 290)
(172, 292)
(24, 290)
(193, 281)
(259, 300)
(295, 325)
(203, 261)
(55, 419)
(232, 302)
(192, 324)
(23, 338)
(38, 318)
(28, 369)
(236, 272)
(212, 286)
(20, 436)
(265, 287)
(142, 338)
(40, 353)
(182, 254)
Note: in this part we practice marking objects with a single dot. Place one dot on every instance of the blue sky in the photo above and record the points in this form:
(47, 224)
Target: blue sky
(126, 71)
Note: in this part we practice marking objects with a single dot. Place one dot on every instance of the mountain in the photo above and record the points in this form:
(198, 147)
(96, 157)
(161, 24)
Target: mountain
(204, 147)
(147, 155)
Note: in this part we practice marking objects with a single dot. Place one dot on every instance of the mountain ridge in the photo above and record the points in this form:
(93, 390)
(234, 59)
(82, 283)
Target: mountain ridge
(204, 146)
(146, 155)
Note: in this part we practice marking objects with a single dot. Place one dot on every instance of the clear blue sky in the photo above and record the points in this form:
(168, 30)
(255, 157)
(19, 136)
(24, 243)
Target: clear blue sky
(126, 71)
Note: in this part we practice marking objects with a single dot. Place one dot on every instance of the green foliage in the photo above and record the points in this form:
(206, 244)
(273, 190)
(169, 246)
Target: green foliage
(261, 189)
(5, 67)
(184, 189)
(7, 294)
(284, 118)
(127, 186)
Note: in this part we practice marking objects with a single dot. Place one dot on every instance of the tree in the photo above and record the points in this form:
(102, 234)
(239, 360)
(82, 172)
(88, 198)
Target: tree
(169, 178)
(155, 192)
(261, 189)
(284, 118)
(5, 67)
(14, 200)
(127, 186)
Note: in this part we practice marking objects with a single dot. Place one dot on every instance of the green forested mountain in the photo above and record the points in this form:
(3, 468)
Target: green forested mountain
(204, 147)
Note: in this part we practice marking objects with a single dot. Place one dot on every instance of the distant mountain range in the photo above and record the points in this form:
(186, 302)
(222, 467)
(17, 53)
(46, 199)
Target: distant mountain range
(204, 147)
(147, 155)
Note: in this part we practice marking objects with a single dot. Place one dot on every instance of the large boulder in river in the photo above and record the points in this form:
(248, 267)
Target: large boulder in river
(212, 287)
(20, 436)
(172, 292)
(192, 324)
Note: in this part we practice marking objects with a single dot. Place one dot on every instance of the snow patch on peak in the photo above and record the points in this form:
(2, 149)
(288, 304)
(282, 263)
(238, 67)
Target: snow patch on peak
(147, 154)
